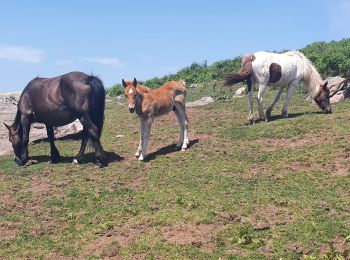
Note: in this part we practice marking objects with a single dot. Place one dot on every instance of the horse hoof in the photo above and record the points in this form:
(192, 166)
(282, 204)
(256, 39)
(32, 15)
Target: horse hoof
(183, 149)
(251, 122)
(75, 161)
(141, 158)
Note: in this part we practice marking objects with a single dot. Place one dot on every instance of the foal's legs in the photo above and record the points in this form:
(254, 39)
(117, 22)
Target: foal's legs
(269, 110)
(84, 140)
(93, 133)
(261, 93)
(291, 89)
(55, 155)
(139, 149)
(179, 119)
(145, 136)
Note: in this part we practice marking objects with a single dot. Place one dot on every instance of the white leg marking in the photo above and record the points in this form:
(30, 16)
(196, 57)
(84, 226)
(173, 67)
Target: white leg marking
(291, 89)
(269, 110)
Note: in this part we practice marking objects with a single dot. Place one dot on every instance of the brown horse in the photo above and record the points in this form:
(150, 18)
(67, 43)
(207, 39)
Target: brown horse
(151, 103)
(56, 102)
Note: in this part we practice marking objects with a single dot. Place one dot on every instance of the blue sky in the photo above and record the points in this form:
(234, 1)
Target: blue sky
(143, 39)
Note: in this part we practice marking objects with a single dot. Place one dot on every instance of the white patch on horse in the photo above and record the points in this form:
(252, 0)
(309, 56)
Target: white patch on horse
(131, 91)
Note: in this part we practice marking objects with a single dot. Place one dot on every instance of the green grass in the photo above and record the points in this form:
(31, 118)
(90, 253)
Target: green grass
(273, 190)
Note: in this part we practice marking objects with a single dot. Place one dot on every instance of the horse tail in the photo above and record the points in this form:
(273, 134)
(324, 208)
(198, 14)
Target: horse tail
(244, 73)
(97, 102)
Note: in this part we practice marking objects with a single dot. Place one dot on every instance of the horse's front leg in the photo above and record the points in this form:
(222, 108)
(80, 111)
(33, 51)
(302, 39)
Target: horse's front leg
(25, 140)
(55, 155)
(261, 93)
(269, 110)
(139, 148)
(291, 89)
(145, 137)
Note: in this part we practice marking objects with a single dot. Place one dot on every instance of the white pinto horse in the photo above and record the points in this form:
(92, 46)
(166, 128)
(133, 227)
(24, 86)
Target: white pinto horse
(281, 70)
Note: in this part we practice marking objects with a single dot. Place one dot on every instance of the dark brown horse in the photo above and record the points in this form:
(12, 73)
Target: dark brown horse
(56, 102)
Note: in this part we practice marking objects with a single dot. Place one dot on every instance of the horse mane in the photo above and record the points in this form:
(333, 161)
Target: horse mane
(311, 77)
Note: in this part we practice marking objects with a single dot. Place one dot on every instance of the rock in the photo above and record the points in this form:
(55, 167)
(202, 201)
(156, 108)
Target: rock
(10, 98)
(240, 91)
(120, 98)
(336, 84)
(195, 86)
(339, 88)
(72, 128)
(120, 136)
(200, 102)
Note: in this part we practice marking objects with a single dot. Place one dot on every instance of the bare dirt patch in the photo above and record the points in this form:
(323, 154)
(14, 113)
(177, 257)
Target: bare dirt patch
(8, 230)
(119, 236)
(268, 217)
(272, 144)
(189, 234)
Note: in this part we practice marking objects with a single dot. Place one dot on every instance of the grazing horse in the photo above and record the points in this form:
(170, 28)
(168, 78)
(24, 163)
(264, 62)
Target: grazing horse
(273, 69)
(151, 103)
(56, 102)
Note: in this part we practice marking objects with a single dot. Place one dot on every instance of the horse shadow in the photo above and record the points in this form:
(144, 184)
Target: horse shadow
(88, 157)
(169, 149)
(294, 115)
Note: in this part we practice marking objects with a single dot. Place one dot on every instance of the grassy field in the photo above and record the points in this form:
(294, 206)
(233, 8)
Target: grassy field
(273, 190)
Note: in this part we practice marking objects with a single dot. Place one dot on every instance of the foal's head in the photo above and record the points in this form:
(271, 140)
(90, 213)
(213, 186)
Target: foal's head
(130, 93)
(322, 99)
(16, 140)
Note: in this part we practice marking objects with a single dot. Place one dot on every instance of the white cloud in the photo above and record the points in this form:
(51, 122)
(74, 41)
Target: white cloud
(106, 61)
(339, 18)
(21, 54)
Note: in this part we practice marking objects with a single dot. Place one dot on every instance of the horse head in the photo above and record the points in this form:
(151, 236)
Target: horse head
(322, 99)
(15, 138)
(131, 92)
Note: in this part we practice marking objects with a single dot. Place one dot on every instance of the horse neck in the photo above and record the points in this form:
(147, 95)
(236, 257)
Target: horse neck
(17, 122)
(138, 101)
(311, 78)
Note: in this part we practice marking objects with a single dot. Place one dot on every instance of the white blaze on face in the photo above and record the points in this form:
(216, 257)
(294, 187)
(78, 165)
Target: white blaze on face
(131, 91)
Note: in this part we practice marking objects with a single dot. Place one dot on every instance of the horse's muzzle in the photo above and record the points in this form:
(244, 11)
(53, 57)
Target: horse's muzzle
(131, 109)
(328, 110)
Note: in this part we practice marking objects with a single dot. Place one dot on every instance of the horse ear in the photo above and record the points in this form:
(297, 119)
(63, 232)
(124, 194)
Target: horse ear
(325, 84)
(124, 83)
(135, 82)
(7, 126)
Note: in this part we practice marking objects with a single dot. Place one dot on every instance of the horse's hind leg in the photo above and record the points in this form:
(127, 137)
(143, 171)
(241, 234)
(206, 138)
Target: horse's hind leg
(55, 155)
(180, 108)
(179, 119)
(250, 101)
(95, 138)
(84, 139)
(269, 110)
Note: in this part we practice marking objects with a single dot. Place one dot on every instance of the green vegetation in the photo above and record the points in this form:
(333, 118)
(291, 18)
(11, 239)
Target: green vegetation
(331, 59)
(273, 190)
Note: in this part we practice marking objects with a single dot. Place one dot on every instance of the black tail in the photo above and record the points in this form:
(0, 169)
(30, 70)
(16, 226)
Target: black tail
(96, 102)
(244, 73)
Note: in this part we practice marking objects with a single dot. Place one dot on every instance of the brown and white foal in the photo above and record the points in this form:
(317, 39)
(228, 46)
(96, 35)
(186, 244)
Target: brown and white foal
(151, 103)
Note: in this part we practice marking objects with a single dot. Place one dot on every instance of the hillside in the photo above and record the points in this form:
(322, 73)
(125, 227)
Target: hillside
(331, 59)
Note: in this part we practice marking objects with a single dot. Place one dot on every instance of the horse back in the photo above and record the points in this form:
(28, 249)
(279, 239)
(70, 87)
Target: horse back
(276, 69)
